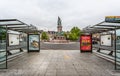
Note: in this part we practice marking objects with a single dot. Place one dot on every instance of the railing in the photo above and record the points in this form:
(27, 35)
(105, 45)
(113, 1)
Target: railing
(107, 51)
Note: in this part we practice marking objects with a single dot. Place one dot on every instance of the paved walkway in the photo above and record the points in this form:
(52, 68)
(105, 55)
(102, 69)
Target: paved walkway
(58, 63)
(61, 46)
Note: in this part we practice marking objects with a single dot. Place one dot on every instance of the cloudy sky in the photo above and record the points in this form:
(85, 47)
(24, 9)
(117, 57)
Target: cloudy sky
(44, 13)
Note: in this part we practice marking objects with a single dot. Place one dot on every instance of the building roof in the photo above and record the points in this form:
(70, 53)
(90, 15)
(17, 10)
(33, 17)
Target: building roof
(17, 25)
(102, 27)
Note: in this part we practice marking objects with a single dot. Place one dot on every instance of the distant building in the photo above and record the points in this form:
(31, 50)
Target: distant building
(51, 35)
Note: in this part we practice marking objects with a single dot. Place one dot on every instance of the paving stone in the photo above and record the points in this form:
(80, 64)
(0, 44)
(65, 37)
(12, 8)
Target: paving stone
(58, 63)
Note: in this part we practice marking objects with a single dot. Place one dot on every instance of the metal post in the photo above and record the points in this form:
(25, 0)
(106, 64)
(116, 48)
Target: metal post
(91, 43)
(28, 40)
(115, 49)
(6, 44)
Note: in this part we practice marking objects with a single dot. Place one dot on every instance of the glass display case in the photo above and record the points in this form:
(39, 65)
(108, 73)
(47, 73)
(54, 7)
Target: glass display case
(33, 42)
(86, 43)
(3, 54)
(117, 53)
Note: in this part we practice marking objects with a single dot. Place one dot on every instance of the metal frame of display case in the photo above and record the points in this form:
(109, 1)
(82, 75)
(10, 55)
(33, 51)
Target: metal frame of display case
(16, 25)
(104, 27)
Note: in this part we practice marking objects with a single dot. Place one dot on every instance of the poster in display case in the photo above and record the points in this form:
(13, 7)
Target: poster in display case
(33, 42)
(14, 39)
(106, 40)
(85, 43)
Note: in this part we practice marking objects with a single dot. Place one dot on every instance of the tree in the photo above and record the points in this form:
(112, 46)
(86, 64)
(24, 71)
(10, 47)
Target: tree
(2, 33)
(75, 32)
(73, 36)
(44, 36)
(67, 34)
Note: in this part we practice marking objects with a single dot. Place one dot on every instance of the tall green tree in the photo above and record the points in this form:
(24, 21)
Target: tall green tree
(44, 36)
(75, 32)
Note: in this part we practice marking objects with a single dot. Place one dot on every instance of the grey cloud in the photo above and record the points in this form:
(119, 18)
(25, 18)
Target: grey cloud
(44, 13)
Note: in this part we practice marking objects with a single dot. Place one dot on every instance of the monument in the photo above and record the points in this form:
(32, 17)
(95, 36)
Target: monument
(59, 35)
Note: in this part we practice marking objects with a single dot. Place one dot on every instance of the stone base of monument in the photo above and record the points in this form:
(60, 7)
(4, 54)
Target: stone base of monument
(60, 41)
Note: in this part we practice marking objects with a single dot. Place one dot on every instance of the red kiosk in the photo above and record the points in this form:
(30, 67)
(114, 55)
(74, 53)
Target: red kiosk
(86, 43)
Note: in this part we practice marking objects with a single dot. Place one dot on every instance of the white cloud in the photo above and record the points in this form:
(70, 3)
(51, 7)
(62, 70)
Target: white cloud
(44, 13)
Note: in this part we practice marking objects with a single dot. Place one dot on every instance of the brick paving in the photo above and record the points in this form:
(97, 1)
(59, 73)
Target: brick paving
(58, 63)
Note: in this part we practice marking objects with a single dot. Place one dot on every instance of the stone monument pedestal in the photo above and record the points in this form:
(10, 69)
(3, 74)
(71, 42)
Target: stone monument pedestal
(59, 41)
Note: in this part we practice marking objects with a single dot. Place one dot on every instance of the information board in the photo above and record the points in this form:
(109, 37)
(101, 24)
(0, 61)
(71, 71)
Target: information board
(33, 42)
(14, 39)
(86, 43)
(106, 40)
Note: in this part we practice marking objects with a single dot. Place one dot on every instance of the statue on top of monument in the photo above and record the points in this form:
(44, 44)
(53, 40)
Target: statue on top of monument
(59, 21)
